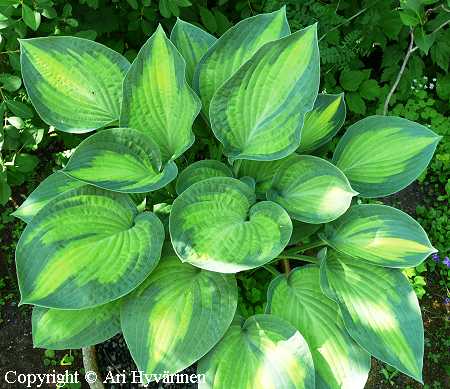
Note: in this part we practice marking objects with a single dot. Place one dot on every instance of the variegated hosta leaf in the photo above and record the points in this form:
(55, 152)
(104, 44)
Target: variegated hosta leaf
(262, 172)
(379, 308)
(340, 363)
(121, 160)
(258, 113)
(60, 329)
(323, 122)
(52, 186)
(262, 352)
(311, 189)
(85, 248)
(234, 48)
(177, 315)
(75, 84)
(192, 42)
(381, 155)
(380, 235)
(201, 170)
(216, 225)
(156, 98)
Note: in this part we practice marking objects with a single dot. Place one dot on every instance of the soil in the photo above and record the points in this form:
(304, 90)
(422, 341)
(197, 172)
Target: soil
(17, 352)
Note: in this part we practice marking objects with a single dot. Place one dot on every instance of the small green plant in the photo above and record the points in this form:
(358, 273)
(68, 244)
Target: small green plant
(113, 244)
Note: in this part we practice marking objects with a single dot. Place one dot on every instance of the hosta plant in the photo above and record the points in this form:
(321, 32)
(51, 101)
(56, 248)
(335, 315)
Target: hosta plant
(120, 241)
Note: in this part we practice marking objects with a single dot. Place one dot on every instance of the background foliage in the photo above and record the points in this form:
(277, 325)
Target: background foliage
(363, 46)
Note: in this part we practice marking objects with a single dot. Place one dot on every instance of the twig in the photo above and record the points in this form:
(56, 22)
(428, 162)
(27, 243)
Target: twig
(91, 367)
(344, 22)
(286, 266)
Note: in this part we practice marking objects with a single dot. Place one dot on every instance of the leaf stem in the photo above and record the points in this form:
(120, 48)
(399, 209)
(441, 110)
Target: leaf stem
(286, 266)
(318, 243)
(305, 258)
(272, 270)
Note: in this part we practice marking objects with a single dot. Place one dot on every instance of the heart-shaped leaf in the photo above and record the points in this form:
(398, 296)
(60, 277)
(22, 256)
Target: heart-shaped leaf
(311, 189)
(262, 352)
(323, 122)
(52, 186)
(177, 315)
(215, 225)
(75, 84)
(234, 48)
(199, 171)
(85, 248)
(192, 42)
(381, 155)
(338, 360)
(157, 99)
(379, 308)
(121, 160)
(380, 235)
(258, 113)
(60, 329)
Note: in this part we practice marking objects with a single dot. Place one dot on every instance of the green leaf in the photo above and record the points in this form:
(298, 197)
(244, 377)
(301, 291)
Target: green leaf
(52, 186)
(370, 89)
(424, 41)
(10, 82)
(208, 19)
(262, 352)
(20, 109)
(199, 171)
(192, 42)
(121, 160)
(381, 155)
(301, 231)
(85, 248)
(31, 18)
(167, 113)
(351, 79)
(58, 329)
(25, 163)
(177, 315)
(75, 84)
(216, 225)
(234, 48)
(5, 192)
(323, 122)
(311, 189)
(380, 235)
(6, 3)
(338, 360)
(379, 308)
(355, 103)
(254, 114)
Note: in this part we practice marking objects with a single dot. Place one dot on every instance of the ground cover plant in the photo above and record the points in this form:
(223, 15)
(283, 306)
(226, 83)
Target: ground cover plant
(258, 94)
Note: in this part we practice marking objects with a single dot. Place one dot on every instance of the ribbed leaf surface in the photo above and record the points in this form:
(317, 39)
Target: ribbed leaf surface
(157, 99)
(381, 155)
(258, 113)
(262, 352)
(340, 363)
(177, 315)
(380, 235)
(311, 189)
(75, 84)
(85, 248)
(323, 122)
(234, 48)
(58, 329)
(121, 160)
(379, 308)
(215, 225)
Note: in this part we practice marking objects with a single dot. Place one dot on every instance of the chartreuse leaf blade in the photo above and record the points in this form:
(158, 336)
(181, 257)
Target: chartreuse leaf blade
(311, 189)
(75, 84)
(61, 329)
(271, 354)
(201, 170)
(177, 315)
(157, 99)
(379, 308)
(381, 155)
(54, 185)
(338, 360)
(323, 122)
(234, 48)
(258, 113)
(121, 160)
(85, 248)
(380, 235)
(192, 42)
(216, 225)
